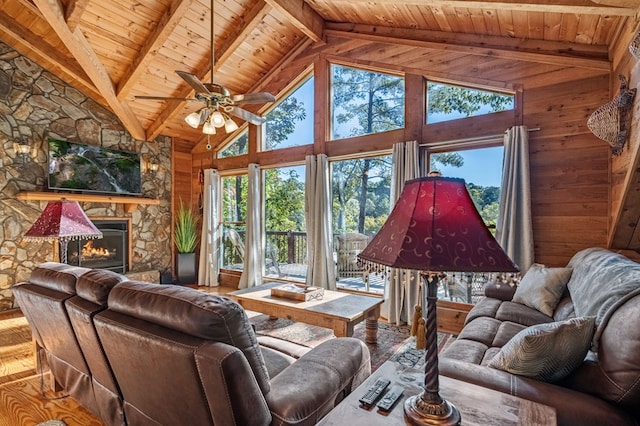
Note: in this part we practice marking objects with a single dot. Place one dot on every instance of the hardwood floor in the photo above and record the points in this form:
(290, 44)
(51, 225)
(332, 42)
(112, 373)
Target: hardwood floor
(26, 398)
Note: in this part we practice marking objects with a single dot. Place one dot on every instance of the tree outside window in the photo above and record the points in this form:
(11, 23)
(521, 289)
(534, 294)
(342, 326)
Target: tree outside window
(284, 223)
(290, 123)
(365, 102)
(448, 102)
(238, 146)
(233, 220)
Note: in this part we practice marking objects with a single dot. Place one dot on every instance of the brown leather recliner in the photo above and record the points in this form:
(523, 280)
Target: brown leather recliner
(92, 290)
(181, 356)
(42, 300)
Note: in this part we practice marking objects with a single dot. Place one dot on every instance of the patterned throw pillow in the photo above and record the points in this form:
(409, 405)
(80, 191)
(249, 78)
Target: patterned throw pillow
(541, 288)
(548, 351)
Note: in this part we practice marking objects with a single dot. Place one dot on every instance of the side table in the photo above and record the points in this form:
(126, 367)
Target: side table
(478, 406)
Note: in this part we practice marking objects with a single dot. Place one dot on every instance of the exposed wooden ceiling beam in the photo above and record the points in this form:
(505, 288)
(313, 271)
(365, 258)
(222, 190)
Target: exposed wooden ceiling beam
(582, 7)
(89, 61)
(73, 12)
(37, 49)
(244, 28)
(554, 53)
(168, 22)
(300, 14)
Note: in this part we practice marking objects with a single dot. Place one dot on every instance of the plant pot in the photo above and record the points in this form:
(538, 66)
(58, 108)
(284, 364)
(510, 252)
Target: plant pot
(186, 268)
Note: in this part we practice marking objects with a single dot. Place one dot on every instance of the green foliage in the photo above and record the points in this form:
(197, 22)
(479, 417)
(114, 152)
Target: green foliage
(349, 213)
(239, 146)
(284, 206)
(234, 198)
(445, 158)
(448, 99)
(281, 121)
(486, 200)
(186, 230)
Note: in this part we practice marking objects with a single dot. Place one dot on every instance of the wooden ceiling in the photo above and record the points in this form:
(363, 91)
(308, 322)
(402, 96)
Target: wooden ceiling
(114, 50)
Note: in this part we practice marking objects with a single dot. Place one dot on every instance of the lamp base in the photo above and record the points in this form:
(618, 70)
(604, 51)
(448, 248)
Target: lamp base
(419, 411)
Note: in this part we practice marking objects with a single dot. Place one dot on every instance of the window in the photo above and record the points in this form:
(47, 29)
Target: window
(447, 102)
(238, 146)
(234, 214)
(365, 102)
(290, 123)
(360, 204)
(481, 169)
(285, 253)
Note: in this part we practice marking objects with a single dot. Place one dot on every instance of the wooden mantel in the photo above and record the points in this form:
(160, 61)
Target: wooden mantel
(130, 203)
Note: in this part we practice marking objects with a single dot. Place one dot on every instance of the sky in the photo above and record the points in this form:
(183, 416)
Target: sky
(481, 167)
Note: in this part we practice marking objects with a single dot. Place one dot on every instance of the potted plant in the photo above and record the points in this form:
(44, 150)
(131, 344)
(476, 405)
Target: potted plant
(186, 235)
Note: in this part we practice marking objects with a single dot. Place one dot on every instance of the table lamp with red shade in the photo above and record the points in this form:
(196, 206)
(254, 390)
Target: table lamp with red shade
(434, 227)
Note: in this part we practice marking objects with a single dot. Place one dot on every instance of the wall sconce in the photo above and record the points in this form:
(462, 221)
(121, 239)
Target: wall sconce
(150, 166)
(22, 150)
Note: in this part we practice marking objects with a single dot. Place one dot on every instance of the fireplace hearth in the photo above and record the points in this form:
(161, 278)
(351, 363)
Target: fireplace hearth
(110, 252)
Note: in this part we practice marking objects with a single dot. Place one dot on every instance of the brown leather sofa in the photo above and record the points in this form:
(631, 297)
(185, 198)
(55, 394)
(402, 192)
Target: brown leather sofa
(146, 354)
(44, 301)
(605, 388)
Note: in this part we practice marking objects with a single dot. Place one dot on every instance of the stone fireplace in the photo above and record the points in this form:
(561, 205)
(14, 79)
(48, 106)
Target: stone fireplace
(111, 252)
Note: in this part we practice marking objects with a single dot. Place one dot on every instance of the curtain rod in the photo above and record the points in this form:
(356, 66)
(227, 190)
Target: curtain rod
(473, 140)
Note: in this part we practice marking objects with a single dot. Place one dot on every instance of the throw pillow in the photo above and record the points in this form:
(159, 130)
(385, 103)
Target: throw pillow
(549, 351)
(541, 288)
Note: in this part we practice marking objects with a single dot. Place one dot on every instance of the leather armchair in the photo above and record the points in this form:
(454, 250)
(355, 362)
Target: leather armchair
(181, 356)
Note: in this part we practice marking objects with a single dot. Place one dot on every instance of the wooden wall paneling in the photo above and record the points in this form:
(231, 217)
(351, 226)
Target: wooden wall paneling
(414, 107)
(567, 230)
(561, 153)
(291, 155)
(451, 316)
(363, 144)
(464, 128)
(625, 205)
(560, 75)
(321, 104)
(625, 212)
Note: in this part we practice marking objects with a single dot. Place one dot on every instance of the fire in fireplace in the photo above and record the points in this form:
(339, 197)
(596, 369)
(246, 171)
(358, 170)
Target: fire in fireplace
(110, 252)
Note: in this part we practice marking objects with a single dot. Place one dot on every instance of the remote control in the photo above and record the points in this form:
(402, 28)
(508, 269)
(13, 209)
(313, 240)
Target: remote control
(369, 398)
(390, 398)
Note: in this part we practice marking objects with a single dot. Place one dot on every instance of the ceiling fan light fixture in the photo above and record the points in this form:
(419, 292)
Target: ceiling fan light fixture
(208, 128)
(217, 119)
(230, 125)
(193, 119)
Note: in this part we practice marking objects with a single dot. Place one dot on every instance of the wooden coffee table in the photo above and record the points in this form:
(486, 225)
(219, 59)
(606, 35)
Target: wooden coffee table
(339, 311)
(477, 405)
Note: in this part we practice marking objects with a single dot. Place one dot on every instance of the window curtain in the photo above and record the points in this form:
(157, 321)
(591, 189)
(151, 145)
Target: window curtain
(514, 229)
(252, 272)
(403, 289)
(209, 269)
(320, 265)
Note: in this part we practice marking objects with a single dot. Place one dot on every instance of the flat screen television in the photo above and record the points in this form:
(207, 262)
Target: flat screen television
(87, 168)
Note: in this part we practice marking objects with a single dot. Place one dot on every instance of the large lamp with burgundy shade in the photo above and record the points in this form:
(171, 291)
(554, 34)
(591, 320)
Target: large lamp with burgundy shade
(434, 227)
(62, 221)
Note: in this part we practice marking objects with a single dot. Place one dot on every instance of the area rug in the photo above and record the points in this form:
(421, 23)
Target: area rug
(393, 340)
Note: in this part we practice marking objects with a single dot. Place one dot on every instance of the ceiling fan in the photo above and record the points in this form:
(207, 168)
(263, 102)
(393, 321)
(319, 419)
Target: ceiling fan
(219, 102)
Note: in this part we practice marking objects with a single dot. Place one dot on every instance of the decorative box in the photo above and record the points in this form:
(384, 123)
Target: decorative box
(297, 292)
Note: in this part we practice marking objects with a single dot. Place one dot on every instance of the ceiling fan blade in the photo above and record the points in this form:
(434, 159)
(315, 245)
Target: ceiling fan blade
(253, 98)
(162, 98)
(193, 82)
(247, 116)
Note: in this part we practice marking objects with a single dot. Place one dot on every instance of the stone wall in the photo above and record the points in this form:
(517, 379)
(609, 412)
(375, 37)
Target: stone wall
(36, 105)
